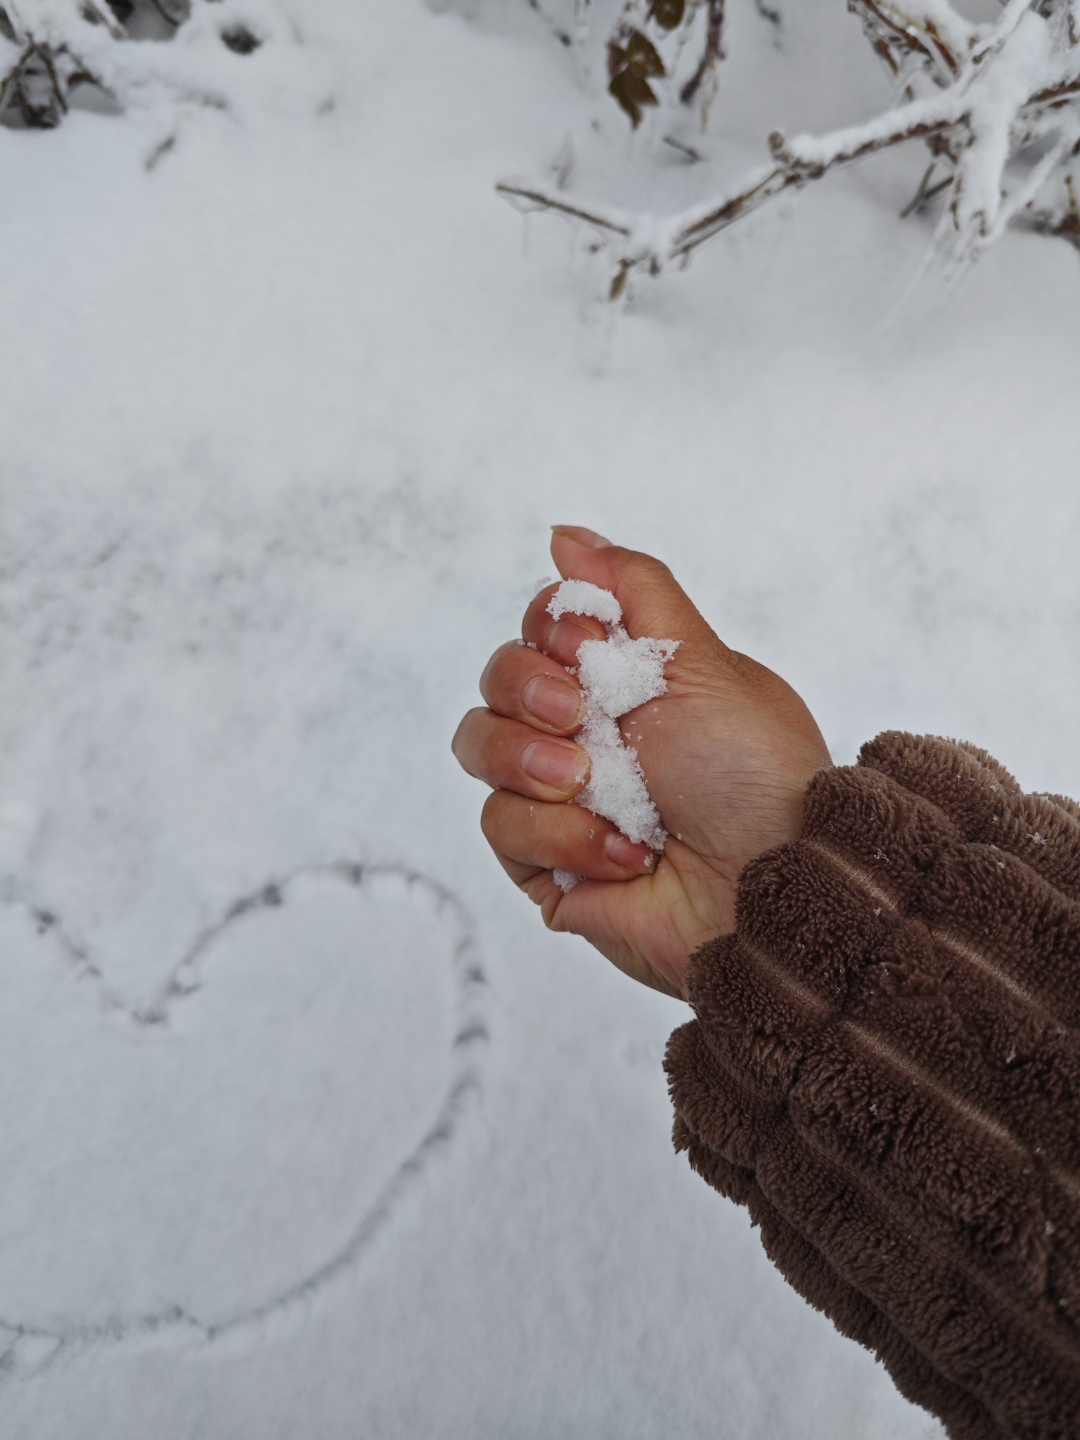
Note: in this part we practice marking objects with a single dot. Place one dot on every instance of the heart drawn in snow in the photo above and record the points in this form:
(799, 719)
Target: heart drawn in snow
(231, 1149)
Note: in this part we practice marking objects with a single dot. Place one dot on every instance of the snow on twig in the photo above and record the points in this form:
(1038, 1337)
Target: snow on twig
(997, 104)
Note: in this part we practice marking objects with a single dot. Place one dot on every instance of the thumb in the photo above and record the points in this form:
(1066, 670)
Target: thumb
(652, 600)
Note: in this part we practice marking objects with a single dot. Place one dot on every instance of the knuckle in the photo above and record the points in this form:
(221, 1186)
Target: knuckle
(468, 742)
(492, 672)
(750, 673)
(639, 569)
(491, 816)
(536, 617)
(457, 744)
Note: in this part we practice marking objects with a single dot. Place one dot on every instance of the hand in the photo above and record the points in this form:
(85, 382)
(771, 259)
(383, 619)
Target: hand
(727, 753)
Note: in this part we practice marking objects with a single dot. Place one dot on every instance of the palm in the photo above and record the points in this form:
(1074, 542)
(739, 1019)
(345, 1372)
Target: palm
(727, 788)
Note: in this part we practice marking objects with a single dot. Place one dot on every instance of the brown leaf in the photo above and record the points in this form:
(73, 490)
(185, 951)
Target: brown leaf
(616, 58)
(642, 56)
(667, 13)
(618, 281)
(632, 91)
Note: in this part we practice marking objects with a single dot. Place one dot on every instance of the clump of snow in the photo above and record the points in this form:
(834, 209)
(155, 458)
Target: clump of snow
(580, 597)
(617, 675)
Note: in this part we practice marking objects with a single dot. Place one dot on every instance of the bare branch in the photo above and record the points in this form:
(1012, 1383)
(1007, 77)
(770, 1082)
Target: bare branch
(165, 15)
(753, 193)
(688, 152)
(537, 197)
(995, 90)
(714, 51)
(104, 16)
(926, 192)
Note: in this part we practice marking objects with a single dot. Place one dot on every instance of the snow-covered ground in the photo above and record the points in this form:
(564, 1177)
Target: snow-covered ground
(284, 419)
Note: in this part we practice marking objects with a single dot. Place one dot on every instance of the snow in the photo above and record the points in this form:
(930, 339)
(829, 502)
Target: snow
(617, 675)
(286, 418)
(996, 95)
(581, 597)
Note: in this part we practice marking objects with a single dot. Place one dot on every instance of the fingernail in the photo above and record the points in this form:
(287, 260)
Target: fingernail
(560, 765)
(581, 536)
(622, 851)
(555, 702)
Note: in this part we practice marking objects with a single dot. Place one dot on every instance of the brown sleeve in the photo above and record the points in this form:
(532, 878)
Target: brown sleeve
(885, 1069)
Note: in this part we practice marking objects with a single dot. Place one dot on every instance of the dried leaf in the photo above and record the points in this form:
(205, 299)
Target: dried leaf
(618, 281)
(668, 14)
(616, 58)
(240, 40)
(632, 91)
(642, 56)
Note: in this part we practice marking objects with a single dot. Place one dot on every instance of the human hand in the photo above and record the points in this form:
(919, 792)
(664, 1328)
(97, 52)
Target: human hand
(727, 753)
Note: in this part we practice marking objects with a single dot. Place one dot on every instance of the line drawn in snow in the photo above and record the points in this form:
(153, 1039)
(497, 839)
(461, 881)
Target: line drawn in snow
(28, 1346)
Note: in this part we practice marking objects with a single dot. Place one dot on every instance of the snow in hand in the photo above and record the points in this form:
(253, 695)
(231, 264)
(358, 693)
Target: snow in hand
(617, 675)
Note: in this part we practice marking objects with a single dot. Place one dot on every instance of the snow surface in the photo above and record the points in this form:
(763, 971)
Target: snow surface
(617, 675)
(285, 418)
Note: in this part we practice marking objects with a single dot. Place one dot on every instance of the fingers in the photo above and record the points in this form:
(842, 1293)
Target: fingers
(509, 755)
(529, 838)
(523, 684)
(652, 601)
(561, 639)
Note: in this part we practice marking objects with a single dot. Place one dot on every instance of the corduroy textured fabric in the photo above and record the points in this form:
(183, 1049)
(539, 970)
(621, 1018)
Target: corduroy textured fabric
(885, 1069)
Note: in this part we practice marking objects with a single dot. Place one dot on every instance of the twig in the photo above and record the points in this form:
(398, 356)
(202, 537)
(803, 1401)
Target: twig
(158, 151)
(686, 231)
(722, 213)
(106, 18)
(917, 200)
(692, 155)
(982, 102)
(46, 57)
(169, 19)
(896, 33)
(714, 50)
(541, 199)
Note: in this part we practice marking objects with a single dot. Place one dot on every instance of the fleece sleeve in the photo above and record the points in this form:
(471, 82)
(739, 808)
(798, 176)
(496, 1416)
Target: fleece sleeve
(884, 1068)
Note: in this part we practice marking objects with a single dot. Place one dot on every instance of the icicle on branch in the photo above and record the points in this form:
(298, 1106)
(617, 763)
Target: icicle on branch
(997, 104)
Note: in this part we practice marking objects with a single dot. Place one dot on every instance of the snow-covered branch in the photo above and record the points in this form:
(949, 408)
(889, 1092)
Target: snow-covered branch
(997, 104)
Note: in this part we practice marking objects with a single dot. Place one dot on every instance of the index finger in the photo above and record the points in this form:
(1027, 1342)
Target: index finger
(524, 684)
(561, 639)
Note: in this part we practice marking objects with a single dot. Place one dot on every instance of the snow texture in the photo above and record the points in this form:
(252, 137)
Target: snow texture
(579, 597)
(288, 402)
(617, 675)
